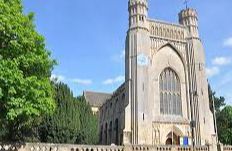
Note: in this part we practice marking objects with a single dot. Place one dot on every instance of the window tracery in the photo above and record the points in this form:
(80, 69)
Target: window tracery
(170, 93)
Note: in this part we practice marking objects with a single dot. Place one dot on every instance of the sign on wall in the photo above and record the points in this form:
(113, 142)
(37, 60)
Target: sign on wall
(184, 141)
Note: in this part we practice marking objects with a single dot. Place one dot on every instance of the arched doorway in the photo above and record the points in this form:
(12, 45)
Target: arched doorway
(169, 141)
(172, 139)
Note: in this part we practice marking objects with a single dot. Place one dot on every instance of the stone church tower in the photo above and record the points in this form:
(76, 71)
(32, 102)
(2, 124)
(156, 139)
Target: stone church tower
(165, 79)
(164, 99)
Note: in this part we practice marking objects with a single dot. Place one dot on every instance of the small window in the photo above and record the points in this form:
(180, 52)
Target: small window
(123, 96)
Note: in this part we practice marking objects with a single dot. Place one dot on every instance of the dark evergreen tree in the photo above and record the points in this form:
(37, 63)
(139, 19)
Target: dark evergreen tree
(64, 124)
(89, 124)
(223, 117)
(72, 122)
(219, 102)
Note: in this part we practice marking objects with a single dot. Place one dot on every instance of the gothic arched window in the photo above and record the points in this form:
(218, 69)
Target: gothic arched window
(170, 93)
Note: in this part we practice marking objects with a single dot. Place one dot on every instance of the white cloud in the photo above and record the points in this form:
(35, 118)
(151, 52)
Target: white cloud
(122, 55)
(226, 80)
(223, 86)
(58, 78)
(228, 42)
(212, 71)
(110, 81)
(61, 78)
(221, 61)
(119, 57)
(82, 81)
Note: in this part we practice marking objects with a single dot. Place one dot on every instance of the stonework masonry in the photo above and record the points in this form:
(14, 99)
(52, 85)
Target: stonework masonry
(163, 105)
(71, 147)
(164, 100)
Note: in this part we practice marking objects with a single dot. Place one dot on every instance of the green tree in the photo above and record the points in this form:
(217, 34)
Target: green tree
(219, 102)
(89, 124)
(72, 122)
(223, 117)
(224, 124)
(25, 67)
(64, 125)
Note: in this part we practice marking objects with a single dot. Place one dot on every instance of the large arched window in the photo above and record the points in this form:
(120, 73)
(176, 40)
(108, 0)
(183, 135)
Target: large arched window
(170, 93)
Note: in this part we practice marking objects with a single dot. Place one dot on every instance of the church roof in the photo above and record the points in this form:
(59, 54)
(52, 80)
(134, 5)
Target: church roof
(96, 99)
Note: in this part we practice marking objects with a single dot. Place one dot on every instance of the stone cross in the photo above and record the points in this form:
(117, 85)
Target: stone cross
(186, 3)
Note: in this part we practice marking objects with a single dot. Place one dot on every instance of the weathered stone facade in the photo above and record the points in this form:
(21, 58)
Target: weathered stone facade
(112, 118)
(165, 89)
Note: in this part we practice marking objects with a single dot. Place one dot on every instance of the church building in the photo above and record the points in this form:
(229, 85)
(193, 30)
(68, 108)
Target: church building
(164, 99)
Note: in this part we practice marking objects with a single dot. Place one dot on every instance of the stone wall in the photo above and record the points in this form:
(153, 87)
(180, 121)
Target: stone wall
(57, 147)
(227, 148)
(70, 147)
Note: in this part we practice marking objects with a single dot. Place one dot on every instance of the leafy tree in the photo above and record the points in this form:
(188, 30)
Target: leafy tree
(223, 117)
(25, 68)
(224, 124)
(219, 102)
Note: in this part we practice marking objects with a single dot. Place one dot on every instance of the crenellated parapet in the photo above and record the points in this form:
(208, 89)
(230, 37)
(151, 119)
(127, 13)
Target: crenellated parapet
(133, 3)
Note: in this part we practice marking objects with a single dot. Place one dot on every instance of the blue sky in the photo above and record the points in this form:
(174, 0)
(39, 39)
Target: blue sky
(87, 38)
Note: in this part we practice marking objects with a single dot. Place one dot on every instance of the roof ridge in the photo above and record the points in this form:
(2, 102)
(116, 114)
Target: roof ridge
(97, 92)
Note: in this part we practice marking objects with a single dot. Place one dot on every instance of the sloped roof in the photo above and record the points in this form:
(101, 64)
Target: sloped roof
(96, 99)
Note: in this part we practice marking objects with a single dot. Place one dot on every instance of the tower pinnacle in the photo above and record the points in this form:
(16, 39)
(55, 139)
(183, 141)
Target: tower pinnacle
(188, 17)
(138, 13)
